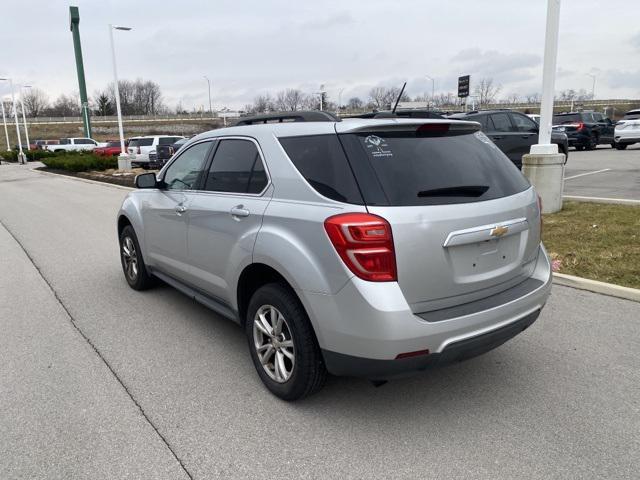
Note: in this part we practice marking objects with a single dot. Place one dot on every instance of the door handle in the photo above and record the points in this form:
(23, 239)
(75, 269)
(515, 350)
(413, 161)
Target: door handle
(496, 137)
(180, 209)
(526, 136)
(239, 211)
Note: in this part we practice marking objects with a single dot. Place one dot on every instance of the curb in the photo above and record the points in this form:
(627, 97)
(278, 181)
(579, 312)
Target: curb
(620, 201)
(603, 288)
(86, 180)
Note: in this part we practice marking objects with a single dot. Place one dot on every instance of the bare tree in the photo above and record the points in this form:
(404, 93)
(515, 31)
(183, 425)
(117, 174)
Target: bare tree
(355, 103)
(139, 97)
(262, 104)
(384, 98)
(486, 91)
(35, 102)
(290, 99)
(512, 98)
(532, 98)
(65, 106)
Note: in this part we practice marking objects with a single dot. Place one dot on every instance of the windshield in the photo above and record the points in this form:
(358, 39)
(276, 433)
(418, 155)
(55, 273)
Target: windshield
(141, 142)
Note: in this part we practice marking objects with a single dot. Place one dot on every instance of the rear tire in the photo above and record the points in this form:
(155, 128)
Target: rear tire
(282, 343)
(579, 148)
(593, 142)
(133, 267)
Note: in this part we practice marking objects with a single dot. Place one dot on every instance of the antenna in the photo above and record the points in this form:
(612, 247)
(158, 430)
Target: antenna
(399, 97)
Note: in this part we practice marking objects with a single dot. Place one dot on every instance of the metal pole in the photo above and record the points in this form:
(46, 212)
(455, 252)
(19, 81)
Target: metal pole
(549, 77)
(339, 101)
(433, 89)
(593, 86)
(210, 107)
(15, 116)
(24, 120)
(4, 122)
(123, 160)
(74, 15)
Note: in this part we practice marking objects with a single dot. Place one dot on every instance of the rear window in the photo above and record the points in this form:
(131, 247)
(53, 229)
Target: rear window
(321, 160)
(568, 118)
(141, 142)
(403, 169)
(166, 140)
(634, 115)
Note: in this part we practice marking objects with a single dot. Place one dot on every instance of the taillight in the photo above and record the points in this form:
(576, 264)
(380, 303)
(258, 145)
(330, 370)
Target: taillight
(540, 213)
(580, 126)
(365, 244)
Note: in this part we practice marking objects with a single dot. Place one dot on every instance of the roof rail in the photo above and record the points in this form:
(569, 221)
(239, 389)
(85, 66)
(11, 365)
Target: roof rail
(281, 117)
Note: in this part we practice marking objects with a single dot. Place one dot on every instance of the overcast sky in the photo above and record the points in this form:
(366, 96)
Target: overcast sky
(249, 47)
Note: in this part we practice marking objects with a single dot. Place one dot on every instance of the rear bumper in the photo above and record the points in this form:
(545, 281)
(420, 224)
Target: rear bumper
(366, 325)
(350, 366)
(627, 137)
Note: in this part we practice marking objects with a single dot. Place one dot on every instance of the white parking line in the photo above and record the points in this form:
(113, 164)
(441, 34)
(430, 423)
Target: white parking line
(588, 173)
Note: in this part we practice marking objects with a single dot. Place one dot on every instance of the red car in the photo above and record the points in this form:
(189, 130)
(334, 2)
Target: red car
(111, 150)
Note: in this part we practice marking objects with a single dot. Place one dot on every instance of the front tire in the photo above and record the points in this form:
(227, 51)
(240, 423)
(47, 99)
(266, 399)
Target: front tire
(133, 267)
(593, 142)
(621, 146)
(282, 343)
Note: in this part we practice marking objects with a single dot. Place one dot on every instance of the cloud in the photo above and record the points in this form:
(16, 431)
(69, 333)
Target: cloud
(502, 67)
(336, 20)
(623, 79)
(635, 41)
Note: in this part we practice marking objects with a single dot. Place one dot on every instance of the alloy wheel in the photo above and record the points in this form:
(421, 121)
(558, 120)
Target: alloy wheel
(130, 258)
(273, 343)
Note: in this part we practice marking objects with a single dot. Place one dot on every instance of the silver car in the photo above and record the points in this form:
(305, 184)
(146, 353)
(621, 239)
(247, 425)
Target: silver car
(363, 247)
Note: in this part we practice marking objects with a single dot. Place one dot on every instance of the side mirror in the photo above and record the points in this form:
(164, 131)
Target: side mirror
(146, 180)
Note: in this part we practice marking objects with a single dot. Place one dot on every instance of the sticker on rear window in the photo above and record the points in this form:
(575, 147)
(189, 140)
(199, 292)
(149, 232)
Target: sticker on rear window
(377, 147)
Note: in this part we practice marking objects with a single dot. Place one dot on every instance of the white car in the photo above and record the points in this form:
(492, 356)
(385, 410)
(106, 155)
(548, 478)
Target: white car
(74, 145)
(535, 117)
(139, 148)
(627, 130)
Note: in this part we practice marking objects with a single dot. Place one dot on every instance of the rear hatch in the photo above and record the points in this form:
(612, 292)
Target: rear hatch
(465, 221)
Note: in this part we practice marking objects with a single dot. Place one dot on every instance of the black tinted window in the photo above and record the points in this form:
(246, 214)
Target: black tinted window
(184, 172)
(113, 144)
(65, 141)
(524, 123)
(236, 167)
(414, 170)
(166, 140)
(481, 119)
(501, 122)
(567, 118)
(322, 162)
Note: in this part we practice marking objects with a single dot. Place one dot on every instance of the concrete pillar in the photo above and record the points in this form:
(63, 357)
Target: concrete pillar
(545, 171)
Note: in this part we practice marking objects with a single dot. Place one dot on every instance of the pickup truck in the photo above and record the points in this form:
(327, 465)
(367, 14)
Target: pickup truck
(74, 145)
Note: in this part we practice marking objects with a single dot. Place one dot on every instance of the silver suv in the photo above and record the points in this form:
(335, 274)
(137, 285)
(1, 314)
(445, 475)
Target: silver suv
(362, 247)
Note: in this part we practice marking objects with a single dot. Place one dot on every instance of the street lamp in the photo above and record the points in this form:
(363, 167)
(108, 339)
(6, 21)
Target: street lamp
(123, 159)
(24, 120)
(4, 122)
(209, 83)
(593, 86)
(433, 88)
(21, 156)
(321, 93)
(339, 101)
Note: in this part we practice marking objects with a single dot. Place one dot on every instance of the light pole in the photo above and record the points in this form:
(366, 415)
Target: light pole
(24, 119)
(209, 83)
(339, 100)
(593, 86)
(321, 93)
(123, 159)
(433, 88)
(4, 122)
(21, 156)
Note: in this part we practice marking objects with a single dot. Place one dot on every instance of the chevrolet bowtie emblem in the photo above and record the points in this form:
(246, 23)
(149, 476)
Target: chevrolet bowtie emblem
(499, 231)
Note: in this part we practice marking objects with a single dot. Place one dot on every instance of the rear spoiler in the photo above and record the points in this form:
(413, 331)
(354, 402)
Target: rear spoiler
(433, 127)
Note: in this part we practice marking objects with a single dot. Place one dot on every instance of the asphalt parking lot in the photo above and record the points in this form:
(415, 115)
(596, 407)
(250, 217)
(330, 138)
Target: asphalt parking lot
(100, 381)
(604, 173)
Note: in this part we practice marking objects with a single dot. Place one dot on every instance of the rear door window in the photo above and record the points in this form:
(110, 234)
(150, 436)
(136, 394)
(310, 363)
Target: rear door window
(501, 122)
(524, 123)
(417, 170)
(321, 160)
(567, 118)
(236, 168)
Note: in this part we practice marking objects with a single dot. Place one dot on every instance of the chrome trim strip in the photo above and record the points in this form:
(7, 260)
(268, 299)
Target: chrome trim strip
(483, 232)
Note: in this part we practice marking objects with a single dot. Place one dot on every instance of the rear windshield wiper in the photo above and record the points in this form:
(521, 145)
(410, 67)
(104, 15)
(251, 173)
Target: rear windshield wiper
(458, 191)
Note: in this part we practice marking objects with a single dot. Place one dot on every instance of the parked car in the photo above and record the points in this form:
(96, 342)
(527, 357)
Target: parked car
(73, 145)
(512, 132)
(627, 130)
(139, 148)
(535, 117)
(370, 248)
(585, 130)
(111, 149)
(42, 144)
(164, 152)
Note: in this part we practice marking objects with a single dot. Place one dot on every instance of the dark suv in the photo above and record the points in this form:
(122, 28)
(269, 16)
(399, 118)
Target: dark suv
(512, 132)
(585, 130)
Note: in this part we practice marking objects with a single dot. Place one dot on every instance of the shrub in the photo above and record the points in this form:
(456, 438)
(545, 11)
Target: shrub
(79, 162)
(32, 155)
